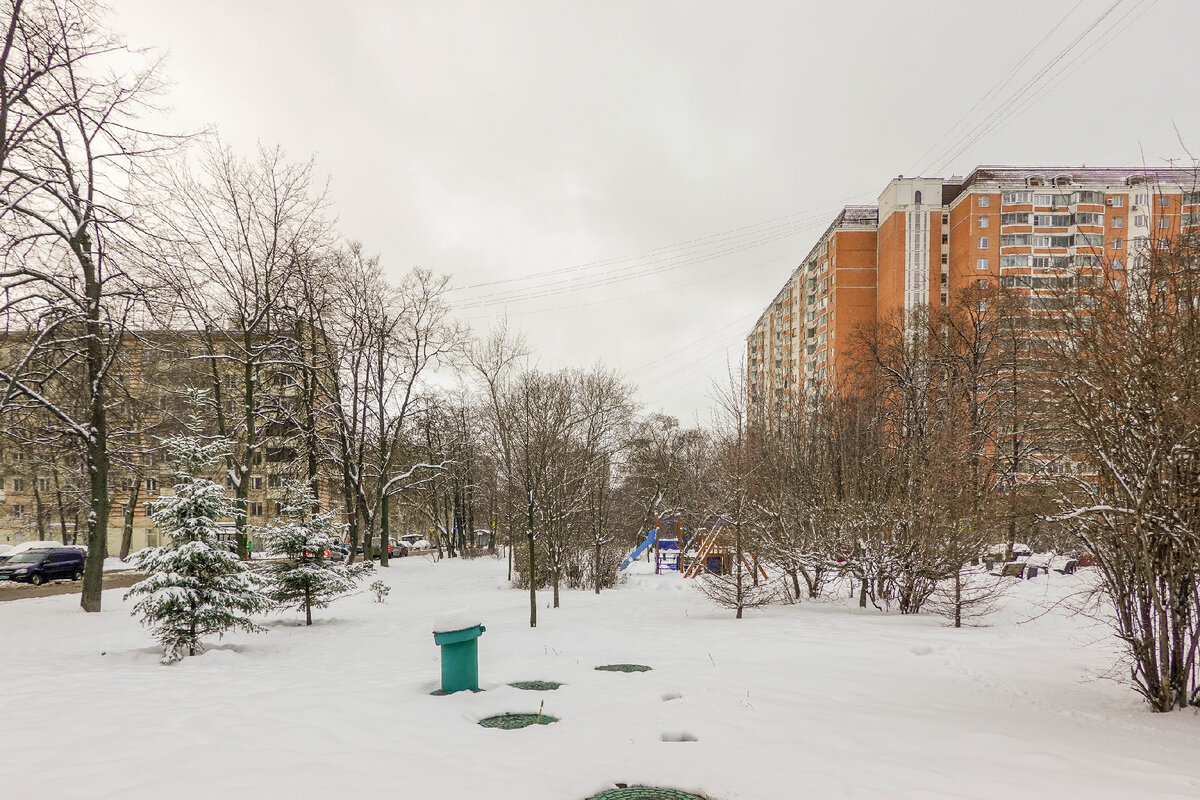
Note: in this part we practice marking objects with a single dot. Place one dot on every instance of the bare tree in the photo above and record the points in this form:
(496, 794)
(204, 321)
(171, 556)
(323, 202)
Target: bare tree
(70, 169)
(231, 243)
(1127, 368)
(733, 471)
(385, 339)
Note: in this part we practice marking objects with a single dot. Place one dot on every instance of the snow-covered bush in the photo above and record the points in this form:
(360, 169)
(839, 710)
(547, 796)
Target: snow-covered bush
(194, 587)
(381, 590)
(303, 577)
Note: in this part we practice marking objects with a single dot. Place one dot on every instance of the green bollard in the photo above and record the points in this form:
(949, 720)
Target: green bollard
(460, 658)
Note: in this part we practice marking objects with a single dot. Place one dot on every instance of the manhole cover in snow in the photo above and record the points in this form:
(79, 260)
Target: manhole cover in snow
(536, 686)
(624, 668)
(644, 793)
(510, 722)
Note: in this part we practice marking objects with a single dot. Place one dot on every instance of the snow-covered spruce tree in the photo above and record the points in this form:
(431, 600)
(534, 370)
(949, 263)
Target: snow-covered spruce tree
(194, 587)
(302, 577)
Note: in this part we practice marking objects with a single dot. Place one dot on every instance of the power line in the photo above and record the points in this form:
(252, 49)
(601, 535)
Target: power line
(653, 292)
(660, 265)
(742, 320)
(996, 87)
(698, 241)
(1073, 66)
(988, 124)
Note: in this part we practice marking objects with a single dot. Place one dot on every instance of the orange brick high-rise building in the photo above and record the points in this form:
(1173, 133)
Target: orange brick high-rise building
(928, 238)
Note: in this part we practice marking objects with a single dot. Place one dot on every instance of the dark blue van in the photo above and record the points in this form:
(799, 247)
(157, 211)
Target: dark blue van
(39, 566)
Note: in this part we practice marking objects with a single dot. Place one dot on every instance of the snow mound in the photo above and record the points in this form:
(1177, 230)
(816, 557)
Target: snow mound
(456, 620)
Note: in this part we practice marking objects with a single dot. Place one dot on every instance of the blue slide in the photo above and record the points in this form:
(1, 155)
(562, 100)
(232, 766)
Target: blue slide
(641, 548)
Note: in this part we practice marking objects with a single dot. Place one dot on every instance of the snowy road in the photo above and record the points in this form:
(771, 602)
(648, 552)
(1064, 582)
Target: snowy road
(13, 590)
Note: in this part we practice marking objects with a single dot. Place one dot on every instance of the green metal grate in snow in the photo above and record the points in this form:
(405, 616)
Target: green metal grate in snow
(511, 722)
(536, 686)
(644, 793)
(624, 668)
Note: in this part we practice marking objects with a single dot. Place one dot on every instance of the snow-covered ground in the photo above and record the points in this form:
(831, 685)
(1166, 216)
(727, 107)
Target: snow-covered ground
(817, 700)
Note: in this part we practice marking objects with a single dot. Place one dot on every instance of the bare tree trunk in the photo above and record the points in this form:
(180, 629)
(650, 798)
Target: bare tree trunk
(97, 442)
(958, 598)
(127, 529)
(532, 567)
(737, 568)
(596, 566)
(384, 528)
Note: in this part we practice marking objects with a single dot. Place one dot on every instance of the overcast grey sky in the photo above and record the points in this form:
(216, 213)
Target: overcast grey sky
(683, 156)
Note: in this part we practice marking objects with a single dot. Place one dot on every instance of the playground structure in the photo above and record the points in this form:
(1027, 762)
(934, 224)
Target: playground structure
(708, 550)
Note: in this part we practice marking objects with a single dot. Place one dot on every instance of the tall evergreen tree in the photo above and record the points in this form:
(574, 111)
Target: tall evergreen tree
(195, 588)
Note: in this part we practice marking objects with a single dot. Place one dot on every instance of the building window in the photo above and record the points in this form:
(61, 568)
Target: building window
(985, 222)
(275, 481)
(18, 510)
(18, 484)
(1117, 222)
(918, 197)
(983, 243)
(1117, 201)
(1115, 243)
(1163, 201)
(43, 484)
(151, 485)
(981, 263)
(984, 201)
(254, 509)
(256, 483)
(1163, 222)
(1117, 265)
(1140, 220)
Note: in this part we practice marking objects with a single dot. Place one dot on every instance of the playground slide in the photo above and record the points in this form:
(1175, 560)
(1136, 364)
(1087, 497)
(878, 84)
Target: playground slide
(641, 548)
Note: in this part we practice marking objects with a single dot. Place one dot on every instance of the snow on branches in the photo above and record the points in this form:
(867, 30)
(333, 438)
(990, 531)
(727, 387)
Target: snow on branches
(194, 587)
(303, 576)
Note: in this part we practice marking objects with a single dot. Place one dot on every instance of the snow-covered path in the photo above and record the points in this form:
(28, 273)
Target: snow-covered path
(813, 700)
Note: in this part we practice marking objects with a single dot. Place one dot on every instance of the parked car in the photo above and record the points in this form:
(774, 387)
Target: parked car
(415, 541)
(39, 566)
(396, 548)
